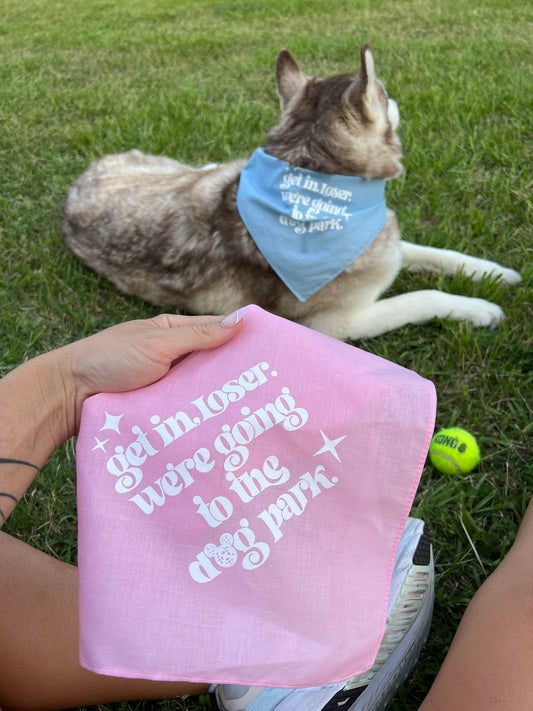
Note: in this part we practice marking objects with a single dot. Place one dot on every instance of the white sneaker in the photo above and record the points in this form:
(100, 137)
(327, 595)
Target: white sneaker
(408, 622)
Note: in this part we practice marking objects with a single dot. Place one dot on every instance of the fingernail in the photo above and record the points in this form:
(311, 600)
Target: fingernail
(234, 318)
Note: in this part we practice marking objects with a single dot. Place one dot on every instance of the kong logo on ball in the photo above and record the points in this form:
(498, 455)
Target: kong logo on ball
(454, 451)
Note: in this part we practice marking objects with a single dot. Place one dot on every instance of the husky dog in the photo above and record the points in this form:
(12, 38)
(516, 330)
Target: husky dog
(174, 235)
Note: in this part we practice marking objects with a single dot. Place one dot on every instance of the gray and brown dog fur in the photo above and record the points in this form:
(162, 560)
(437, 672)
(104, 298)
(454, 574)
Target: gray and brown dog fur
(172, 235)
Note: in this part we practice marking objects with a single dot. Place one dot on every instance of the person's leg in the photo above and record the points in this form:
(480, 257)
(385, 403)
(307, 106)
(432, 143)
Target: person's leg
(490, 662)
(39, 666)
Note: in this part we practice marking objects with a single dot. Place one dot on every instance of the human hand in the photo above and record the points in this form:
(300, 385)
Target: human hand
(134, 354)
(137, 353)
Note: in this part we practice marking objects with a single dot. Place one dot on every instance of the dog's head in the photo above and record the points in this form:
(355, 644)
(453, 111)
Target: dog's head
(345, 124)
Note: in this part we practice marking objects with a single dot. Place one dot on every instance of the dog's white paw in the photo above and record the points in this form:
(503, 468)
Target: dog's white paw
(509, 276)
(479, 270)
(484, 313)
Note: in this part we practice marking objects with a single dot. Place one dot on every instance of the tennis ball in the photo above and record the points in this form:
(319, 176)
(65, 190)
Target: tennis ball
(454, 451)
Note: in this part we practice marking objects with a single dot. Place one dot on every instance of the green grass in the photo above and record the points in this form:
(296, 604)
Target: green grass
(194, 80)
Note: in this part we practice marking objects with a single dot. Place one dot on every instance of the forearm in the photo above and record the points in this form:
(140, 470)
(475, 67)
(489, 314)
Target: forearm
(37, 414)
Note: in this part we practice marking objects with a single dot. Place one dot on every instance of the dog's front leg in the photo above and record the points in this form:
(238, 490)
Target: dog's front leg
(419, 307)
(417, 258)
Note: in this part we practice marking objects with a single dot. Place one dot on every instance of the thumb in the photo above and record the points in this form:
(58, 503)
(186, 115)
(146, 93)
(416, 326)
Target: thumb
(204, 333)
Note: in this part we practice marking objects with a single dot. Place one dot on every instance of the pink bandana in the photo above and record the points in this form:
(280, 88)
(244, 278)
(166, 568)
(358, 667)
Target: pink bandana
(239, 519)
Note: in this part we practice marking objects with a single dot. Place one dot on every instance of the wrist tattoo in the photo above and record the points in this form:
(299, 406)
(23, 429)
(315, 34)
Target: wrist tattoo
(19, 461)
(9, 496)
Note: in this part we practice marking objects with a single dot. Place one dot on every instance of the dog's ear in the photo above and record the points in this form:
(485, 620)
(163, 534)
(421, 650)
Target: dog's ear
(364, 92)
(289, 77)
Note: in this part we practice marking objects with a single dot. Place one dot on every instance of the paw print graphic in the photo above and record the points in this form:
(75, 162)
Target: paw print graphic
(225, 555)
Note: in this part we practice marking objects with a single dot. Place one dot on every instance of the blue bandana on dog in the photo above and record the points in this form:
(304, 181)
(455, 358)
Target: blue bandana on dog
(309, 226)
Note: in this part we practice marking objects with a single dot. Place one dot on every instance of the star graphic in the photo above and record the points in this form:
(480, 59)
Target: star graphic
(100, 444)
(330, 445)
(111, 422)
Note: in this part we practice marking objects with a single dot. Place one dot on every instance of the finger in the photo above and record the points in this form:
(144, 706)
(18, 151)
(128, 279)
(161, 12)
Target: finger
(204, 333)
(179, 320)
